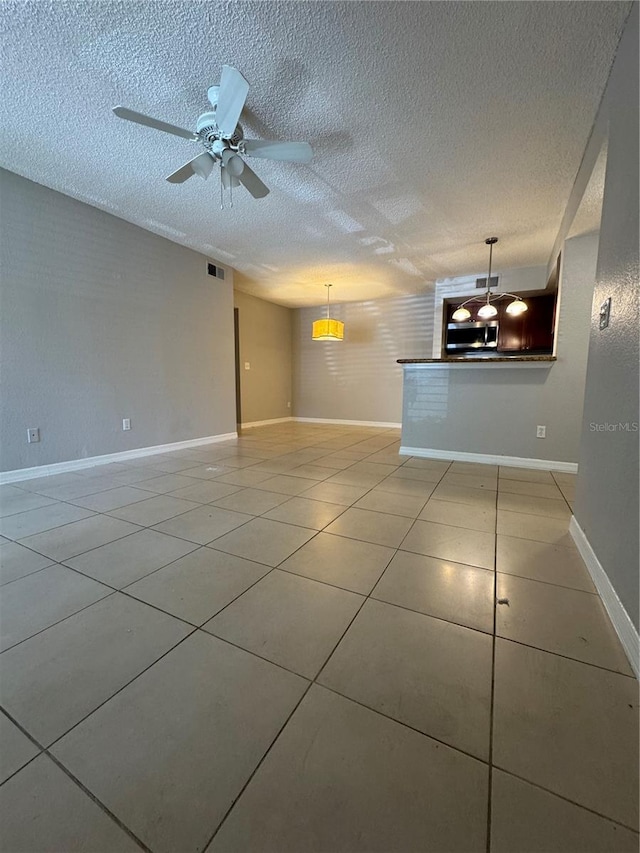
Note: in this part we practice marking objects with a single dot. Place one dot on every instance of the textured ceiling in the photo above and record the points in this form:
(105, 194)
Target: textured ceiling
(434, 124)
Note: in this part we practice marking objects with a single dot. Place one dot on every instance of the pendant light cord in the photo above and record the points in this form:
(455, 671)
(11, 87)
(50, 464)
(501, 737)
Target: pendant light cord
(490, 241)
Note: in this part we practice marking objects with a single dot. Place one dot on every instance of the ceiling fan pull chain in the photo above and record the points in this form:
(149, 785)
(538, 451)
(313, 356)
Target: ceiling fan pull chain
(221, 191)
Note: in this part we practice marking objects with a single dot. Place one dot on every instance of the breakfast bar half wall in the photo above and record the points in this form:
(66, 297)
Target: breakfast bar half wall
(490, 410)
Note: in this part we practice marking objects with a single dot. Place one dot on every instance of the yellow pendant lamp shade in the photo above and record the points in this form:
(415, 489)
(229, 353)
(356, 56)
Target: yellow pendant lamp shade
(327, 329)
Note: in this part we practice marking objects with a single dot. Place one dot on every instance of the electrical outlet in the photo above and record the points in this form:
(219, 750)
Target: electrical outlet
(33, 435)
(126, 423)
(605, 313)
(288, 405)
(247, 365)
(541, 432)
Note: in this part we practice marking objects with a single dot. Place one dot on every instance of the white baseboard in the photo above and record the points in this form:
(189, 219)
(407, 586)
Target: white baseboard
(620, 619)
(122, 456)
(266, 423)
(380, 424)
(490, 459)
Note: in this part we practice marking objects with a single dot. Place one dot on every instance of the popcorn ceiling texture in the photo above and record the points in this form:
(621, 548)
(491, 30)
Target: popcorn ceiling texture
(433, 124)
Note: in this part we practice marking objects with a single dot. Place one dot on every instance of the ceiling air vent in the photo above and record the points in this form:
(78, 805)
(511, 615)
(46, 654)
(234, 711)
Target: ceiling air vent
(481, 283)
(218, 272)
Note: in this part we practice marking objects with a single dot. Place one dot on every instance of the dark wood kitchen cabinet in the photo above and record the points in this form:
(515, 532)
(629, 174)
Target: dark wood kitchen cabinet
(531, 331)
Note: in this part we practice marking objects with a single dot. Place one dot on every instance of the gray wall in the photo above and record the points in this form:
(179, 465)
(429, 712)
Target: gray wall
(358, 379)
(496, 410)
(265, 343)
(101, 320)
(606, 506)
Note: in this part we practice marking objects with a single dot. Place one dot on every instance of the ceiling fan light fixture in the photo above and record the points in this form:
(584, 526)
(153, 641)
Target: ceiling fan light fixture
(327, 329)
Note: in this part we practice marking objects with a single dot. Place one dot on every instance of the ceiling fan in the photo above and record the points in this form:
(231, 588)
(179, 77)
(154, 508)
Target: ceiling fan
(222, 138)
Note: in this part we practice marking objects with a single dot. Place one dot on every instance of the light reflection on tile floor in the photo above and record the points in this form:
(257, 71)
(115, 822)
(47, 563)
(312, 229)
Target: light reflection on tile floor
(290, 642)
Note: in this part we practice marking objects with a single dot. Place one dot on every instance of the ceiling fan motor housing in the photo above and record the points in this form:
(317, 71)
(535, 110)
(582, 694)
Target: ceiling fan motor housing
(208, 131)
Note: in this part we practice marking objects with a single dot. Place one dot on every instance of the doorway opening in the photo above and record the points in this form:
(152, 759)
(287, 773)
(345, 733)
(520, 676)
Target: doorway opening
(236, 339)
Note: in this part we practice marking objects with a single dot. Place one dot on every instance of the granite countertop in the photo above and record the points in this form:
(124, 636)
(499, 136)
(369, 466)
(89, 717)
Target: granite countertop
(477, 360)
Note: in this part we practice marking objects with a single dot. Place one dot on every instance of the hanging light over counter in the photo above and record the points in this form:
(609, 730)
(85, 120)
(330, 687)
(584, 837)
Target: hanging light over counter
(327, 329)
(488, 310)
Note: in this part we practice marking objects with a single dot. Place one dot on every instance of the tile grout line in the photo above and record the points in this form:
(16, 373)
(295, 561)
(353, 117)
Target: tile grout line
(493, 681)
(314, 681)
(257, 767)
(64, 618)
(405, 725)
(566, 657)
(413, 524)
(318, 675)
(564, 497)
(311, 683)
(566, 799)
(120, 689)
(98, 802)
(547, 583)
(45, 751)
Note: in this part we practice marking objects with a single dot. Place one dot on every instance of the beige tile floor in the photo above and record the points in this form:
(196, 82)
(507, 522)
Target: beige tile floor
(291, 642)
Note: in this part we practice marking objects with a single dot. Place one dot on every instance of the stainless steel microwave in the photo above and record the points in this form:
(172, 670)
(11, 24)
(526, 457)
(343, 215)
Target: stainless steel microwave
(473, 337)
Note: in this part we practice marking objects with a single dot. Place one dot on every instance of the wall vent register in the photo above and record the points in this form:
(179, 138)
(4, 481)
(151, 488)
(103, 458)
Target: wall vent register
(218, 272)
(481, 283)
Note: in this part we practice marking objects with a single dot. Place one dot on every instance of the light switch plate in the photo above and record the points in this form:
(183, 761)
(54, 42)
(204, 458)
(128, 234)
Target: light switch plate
(605, 313)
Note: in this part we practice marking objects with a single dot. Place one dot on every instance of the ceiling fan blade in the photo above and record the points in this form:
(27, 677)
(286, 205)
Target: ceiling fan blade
(212, 95)
(197, 166)
(140, 118)
(231, 97)
(252, 182)
(291, 152)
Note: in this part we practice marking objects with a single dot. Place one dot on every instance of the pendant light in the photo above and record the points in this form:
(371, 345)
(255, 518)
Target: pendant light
(460, 315)
(488, 310)
(327, 329)
(517, 307)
